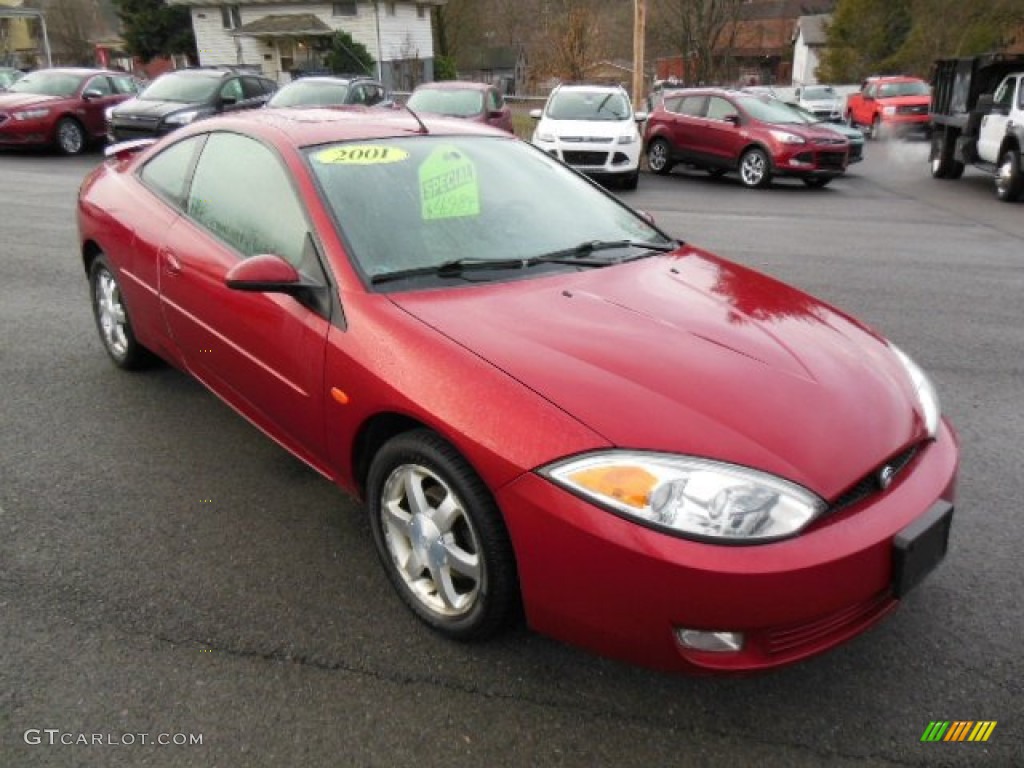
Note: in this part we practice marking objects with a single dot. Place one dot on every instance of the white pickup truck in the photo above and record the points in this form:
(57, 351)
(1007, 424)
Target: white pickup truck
(977, 117)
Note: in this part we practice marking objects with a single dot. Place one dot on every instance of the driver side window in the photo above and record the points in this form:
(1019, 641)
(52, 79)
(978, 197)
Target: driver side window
(241, 193)
(1004, 96)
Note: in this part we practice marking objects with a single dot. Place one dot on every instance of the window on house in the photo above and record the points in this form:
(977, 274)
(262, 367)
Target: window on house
(344, 9)
(230, 17)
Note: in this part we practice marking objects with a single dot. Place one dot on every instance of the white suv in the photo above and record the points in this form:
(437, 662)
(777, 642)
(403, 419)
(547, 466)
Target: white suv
(593, 129)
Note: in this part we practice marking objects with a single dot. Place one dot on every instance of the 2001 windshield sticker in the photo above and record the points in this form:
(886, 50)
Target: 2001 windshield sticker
(448, 186)
(362, 154)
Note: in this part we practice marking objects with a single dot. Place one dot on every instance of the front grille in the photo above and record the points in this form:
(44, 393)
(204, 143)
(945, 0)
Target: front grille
(587, 139)
(129, 132)
(585, 158)
(829, 142)
(869, 485)
(856, 152)
(833, 161)
(795, 637)
(920, 109)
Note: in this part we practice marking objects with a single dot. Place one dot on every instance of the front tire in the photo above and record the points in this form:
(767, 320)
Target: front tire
(112, 319)
(659, 157)
(70, 136)
(441, 538)
(1009, 181)
(755, 169)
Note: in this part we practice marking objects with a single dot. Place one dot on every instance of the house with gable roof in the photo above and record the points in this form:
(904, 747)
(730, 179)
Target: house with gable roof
(281, 38)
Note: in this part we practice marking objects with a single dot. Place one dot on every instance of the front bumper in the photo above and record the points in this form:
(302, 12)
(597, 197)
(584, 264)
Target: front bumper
(811, 161)
(611, 159)
(598, 581)
(19, 133)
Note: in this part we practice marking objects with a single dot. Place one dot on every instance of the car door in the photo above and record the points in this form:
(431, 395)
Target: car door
(723, 139)
(262, 352)
(687, 125)
(253, 93)
(994, 124)
(96, 96)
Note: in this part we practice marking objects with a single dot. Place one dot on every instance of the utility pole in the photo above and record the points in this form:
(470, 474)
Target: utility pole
(639, 33)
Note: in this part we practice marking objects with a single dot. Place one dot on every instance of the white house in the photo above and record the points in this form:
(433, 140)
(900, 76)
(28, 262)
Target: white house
(279, 37)
(810, 37)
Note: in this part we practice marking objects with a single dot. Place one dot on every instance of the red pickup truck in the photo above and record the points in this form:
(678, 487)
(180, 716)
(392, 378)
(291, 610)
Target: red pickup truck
(889, 106)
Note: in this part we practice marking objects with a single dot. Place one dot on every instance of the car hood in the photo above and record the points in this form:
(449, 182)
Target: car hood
(694, 355)
(585, 130)
(151, 108)
(9, 100)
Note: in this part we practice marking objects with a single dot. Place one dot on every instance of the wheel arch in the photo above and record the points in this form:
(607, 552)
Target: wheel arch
(1010, 141)
(372, 435)
(67, 116)
(90, 250)
(756, 145)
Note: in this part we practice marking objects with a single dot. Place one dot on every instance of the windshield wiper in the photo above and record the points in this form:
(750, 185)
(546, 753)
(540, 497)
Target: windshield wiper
(593, 246)
(574, 257)
(458, 267)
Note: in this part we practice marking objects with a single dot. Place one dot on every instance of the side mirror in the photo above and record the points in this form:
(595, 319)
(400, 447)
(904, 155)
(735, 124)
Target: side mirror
(868, 98)
(91, 94)
(495, 114)
(640, 116)
(536, 113)
(733, 119)
(265, 273)
(228, 101)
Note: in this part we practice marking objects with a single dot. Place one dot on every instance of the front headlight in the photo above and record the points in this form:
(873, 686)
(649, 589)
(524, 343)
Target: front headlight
(888, 110)
(182, 118)
(30, 114)
(628, 138)
(689, 496)
(547, 138)
(931, 408)
(787, 138)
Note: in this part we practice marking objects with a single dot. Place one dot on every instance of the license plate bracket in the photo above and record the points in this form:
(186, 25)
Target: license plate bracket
(919, 547)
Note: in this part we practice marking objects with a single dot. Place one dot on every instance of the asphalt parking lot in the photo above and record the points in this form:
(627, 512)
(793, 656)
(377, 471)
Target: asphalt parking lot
(167, 571)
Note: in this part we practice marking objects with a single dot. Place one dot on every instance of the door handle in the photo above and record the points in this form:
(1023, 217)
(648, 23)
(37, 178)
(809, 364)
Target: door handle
(171, 263)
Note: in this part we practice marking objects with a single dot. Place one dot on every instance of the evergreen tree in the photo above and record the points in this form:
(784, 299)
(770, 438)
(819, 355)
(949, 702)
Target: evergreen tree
(348, 56)
(151, 28)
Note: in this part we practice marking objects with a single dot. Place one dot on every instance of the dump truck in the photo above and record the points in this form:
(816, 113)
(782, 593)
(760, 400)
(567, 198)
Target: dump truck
(977, 119)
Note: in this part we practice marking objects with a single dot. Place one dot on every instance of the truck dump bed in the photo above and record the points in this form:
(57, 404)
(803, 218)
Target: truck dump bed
(957, 84)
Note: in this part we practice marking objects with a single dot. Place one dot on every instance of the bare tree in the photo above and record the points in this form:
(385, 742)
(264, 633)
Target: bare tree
(72, 25)
(701, 31)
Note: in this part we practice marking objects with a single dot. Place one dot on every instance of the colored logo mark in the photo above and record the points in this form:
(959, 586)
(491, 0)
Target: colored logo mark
(958, 730)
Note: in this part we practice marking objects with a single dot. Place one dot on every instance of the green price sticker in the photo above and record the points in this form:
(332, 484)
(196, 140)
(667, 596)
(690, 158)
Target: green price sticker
(448, 186)
(362, 154)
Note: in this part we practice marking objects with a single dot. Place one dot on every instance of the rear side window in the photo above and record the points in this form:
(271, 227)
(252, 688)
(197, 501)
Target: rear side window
(167, 173)
(494, 100)
(720, 109)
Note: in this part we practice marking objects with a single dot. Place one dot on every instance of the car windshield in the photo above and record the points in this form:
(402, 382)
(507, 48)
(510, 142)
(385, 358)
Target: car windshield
(417, 202)
(185, 88)
(904, 88)
(48, 84)
(588, 105)
(310, 94)
(769, 110)
(820, 93)
(453, 102)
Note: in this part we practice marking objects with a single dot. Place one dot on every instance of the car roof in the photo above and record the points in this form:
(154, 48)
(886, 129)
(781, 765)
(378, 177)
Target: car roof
(590, 87)
(304, 127)
(330, 80)
(79, 71)
(454, 85)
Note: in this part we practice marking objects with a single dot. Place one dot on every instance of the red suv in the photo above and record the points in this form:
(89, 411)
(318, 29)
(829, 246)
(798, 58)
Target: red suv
(757, 136)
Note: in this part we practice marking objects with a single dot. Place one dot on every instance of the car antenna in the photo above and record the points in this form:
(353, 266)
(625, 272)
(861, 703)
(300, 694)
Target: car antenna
(423, 128)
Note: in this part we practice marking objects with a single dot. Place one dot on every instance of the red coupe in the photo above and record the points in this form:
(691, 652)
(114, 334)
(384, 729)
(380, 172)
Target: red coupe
(544, 400)
(64, 108)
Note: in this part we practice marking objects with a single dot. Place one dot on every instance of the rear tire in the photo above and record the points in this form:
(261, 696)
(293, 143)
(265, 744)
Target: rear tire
(659, 157)
(1009, 180)
(942, 164)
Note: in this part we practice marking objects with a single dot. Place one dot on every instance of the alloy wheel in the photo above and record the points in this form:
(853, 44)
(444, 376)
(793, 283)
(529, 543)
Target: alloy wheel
(111, 314)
